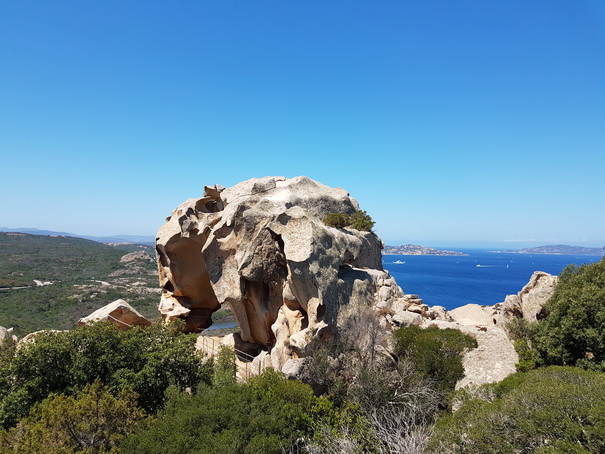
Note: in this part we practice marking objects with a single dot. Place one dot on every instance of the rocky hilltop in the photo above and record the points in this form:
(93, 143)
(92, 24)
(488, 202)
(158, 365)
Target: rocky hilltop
(413, 249)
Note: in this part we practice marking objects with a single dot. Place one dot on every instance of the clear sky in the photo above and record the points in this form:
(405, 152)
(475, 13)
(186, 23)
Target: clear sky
(475, 123)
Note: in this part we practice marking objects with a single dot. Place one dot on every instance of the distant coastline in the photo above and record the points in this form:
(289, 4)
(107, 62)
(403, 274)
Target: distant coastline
(130, 239)
(559, 249)
(414, 249)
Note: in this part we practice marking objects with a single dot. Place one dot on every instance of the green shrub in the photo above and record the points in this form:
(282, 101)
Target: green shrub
(92, 421)
(547, 410)
(337, 220)
(224, 367)
(360, 220)
(573, 331)
(265, 414)
(147, 360)
(529, 358)
(434, 353)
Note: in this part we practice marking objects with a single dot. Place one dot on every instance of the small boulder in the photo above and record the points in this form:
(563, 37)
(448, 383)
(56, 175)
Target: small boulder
(293, 367)
(5, 336)
(415, 308)
(119, 312)
(405, 318)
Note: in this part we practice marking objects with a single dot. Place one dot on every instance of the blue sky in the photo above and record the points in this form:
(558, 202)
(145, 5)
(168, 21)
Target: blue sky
(462, 123)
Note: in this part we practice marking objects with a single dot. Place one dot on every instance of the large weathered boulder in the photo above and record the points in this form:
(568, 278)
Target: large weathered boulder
(530, 301)
(262, 247)
(119, 312)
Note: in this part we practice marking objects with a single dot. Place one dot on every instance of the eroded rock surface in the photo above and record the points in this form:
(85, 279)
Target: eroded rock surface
(530, 301)
(261, 247)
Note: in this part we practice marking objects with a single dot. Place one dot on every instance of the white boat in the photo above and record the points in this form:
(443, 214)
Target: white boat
(398, 262)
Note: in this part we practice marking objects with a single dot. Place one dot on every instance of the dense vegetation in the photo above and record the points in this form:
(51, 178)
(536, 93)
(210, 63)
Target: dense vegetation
(360, 220)
(144, 360)
(573, 330)
(96, 388)
(265, 414)
(548, 410)
(84, 276)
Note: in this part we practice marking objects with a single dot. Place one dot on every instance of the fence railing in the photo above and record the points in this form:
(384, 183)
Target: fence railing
(243, 361)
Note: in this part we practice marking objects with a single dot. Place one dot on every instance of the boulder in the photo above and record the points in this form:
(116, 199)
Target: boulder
(119, 312)
(405, 318)
(473, 314)
(262, 247)
(5, 336)
(492, 361)
(530, 301)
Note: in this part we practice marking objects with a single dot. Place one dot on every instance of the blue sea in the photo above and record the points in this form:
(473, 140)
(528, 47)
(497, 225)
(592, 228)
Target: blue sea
(482, 277)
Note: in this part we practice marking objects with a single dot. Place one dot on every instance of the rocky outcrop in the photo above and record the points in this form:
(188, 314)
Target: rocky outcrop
(495, 357)
(262, 248)
(529, 302)
(119, 312)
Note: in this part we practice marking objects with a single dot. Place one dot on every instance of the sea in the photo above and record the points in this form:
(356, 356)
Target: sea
(481, 277)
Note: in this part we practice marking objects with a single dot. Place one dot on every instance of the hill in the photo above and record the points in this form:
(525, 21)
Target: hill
(562, 249)
(52, 281)
(413, 249)
(137, 239)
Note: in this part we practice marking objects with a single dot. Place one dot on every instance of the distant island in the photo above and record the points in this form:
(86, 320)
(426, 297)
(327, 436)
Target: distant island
(414, 249)
(560, 249)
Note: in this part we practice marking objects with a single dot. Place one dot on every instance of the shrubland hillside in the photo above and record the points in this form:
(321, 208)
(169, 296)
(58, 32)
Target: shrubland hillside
(49, 282)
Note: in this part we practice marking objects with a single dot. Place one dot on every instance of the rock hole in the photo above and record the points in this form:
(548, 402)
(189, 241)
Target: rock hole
(321, 311)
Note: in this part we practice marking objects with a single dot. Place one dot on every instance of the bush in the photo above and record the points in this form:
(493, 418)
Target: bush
(265, 414)
(360, 220)
(147, 360)
(434, 353)
(224, 367)
(92, 421)
(573, 331)
(553, 409)
(337, 220)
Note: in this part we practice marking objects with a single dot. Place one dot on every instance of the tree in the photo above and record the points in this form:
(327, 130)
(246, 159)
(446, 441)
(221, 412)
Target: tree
(224, 367)
(434, 353)
(92, 421)
(147, 360)
(573, 330)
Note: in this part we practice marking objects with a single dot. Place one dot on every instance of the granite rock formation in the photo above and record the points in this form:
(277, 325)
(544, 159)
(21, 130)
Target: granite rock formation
(119, 312)
(262, 248)
(530, 301)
